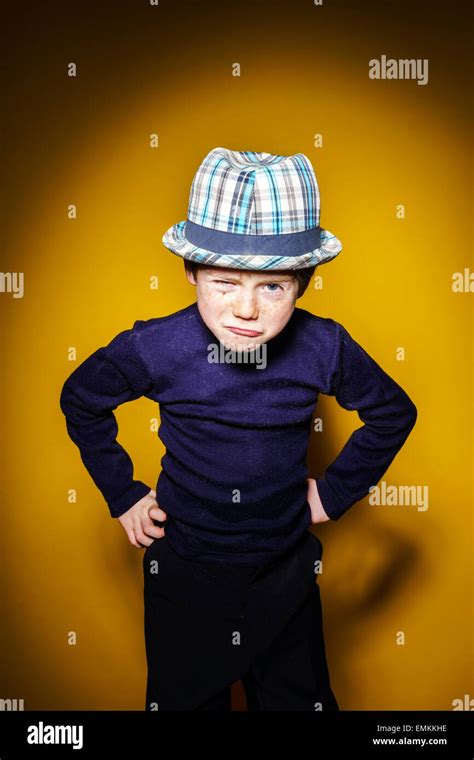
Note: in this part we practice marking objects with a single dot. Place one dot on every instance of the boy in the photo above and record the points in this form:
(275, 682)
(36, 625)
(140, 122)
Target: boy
(229, 576)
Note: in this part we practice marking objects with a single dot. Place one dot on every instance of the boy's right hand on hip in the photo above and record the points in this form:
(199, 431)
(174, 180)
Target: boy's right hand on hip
(138, 524)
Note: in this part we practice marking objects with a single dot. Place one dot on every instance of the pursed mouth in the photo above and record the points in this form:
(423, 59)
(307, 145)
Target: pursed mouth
(242, 331)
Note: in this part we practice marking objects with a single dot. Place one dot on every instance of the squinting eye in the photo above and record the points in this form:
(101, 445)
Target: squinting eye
(267, 285)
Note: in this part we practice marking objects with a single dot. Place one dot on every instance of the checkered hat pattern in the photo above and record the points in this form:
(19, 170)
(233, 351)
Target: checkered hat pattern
(251, 210)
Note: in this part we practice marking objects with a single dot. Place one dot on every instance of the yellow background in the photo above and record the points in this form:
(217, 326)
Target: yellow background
(304, 71)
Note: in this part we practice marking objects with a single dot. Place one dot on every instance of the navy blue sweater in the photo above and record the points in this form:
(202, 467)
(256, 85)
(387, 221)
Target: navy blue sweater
(233, 478)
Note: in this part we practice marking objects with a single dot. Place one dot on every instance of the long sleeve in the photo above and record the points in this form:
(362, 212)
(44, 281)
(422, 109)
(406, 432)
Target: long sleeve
(112, 375)
(359, 383)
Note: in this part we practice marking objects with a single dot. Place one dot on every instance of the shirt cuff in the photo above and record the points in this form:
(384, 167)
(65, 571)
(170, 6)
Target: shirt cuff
(128, 498)
(331, 504)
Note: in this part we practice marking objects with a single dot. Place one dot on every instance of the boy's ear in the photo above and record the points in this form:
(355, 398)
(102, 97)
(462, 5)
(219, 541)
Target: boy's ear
(189, 273)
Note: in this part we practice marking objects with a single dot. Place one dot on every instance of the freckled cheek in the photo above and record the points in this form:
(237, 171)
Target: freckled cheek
(276, 315)
(215, 300)
(277, 311)
(211, 302)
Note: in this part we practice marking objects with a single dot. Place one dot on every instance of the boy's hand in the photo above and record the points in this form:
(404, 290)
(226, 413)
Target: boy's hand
(318, 514)
(137, 521)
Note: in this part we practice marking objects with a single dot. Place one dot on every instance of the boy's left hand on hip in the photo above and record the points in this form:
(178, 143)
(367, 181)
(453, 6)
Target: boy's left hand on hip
(318, 514)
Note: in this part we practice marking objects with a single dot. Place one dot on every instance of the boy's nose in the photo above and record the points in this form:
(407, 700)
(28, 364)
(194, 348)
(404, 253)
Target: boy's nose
(245, 306)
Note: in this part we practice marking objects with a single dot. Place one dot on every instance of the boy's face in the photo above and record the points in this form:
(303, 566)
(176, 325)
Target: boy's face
(258, 303)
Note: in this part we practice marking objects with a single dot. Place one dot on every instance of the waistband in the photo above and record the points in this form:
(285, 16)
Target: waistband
(252, 571)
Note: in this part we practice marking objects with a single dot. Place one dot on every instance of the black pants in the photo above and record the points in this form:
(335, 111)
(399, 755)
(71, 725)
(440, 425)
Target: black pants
(208, 626)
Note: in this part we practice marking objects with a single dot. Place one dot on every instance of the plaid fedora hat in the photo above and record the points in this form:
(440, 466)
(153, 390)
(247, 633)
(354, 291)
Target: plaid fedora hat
(252, 210)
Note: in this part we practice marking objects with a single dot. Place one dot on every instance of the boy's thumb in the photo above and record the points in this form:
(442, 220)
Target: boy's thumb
(157, 514)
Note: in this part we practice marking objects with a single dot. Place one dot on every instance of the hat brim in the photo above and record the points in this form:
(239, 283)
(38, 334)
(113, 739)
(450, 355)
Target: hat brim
(175, 240)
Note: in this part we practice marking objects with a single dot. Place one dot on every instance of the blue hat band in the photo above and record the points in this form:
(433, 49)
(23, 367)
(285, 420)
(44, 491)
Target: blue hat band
(288, 244)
